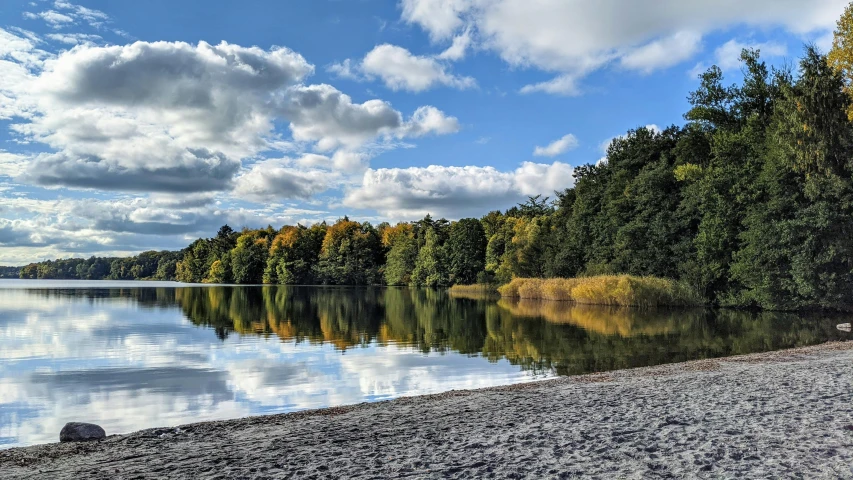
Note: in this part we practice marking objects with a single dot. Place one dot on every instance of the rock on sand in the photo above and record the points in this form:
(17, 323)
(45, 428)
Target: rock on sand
(81, 432)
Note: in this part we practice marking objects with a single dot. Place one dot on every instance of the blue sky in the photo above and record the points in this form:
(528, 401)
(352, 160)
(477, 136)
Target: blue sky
(127, 126)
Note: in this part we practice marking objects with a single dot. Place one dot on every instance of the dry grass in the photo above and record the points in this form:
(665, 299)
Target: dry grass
(558, 289)
(473, 292)
(530, 289)
(511, 288)
(613, 290)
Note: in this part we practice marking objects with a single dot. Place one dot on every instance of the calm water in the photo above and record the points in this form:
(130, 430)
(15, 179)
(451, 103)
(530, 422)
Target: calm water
(132, 355)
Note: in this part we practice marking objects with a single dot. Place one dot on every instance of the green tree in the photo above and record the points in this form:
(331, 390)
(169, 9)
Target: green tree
(466, 250)
(431, 264)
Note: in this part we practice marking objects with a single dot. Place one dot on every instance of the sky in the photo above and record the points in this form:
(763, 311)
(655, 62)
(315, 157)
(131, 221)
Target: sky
(132, 126)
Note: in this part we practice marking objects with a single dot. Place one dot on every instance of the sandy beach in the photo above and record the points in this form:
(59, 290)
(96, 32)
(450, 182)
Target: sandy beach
(786, 414)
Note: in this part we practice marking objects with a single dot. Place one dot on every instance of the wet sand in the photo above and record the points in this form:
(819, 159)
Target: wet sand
(786, 414)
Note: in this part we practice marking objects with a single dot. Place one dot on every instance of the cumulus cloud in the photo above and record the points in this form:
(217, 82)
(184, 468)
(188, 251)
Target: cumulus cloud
(454, 192)
(273, 180)
(576, 38)
(429, 120)
(399, 69)
(557, 147)
(172, 116)
(323, 114)
(193, 170)
(440, 18)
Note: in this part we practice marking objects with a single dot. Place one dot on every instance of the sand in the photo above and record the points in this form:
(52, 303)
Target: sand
(785, 414)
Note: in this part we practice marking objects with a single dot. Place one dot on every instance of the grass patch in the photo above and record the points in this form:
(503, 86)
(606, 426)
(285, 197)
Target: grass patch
(473, 292)
(612, 290)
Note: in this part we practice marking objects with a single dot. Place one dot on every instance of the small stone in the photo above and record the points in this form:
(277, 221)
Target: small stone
(845, 327)
(81, 432)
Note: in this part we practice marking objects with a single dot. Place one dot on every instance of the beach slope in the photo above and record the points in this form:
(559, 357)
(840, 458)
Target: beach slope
(785, 414)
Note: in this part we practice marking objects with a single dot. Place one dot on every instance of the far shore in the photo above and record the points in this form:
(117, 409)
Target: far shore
(783, 414)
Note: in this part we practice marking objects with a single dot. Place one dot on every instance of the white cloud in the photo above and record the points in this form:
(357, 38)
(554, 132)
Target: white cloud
(438, 17)
(454, 192)
(728, 55)
(171, 116)
(562, 85)
(323, 114)
(272, 180)
(52, 18)
(575, 38)
(74, 38)
(663, 53)
(94, 17)
(429, 120)
(557, 147)
(399, 69)
(456, 50)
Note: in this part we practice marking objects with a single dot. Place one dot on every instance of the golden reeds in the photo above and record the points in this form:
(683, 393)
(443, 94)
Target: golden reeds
(473, 292)
(614, 290)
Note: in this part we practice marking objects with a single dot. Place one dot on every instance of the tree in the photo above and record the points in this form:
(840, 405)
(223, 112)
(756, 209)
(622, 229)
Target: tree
(431, 264)
(402, 254)
(249, 258)
(351, 254)
(466, 250)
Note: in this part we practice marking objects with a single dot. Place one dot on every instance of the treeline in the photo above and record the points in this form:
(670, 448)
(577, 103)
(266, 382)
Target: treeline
(10, 272)
(145, 266)
(430, 253)
(750, 202)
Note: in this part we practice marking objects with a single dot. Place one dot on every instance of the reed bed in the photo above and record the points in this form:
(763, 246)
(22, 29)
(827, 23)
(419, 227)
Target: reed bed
(612, 290)
(477, 291)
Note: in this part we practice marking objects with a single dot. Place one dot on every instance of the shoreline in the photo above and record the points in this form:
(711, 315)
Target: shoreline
(771, 414)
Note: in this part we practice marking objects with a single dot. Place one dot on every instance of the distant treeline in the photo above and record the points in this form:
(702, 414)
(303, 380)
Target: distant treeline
(10, 272)
(750, 203)
(145, 266)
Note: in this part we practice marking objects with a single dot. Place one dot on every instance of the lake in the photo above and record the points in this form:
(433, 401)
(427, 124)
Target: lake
(134, 355)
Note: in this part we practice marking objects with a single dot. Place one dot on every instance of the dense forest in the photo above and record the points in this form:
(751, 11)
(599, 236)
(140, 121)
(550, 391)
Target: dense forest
(10, 272)
(145, 266)
(750, 202)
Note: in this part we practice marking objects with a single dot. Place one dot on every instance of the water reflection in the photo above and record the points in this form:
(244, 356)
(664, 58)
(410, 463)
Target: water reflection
(131, 358)
(537, 335)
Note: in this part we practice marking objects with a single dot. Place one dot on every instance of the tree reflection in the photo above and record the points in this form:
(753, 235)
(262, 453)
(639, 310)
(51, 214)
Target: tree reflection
(538, 336)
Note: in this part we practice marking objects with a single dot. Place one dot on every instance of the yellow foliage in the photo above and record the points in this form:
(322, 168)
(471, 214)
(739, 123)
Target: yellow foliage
(840, 57)
(614, 290)
(687, 172)
(391, 234)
